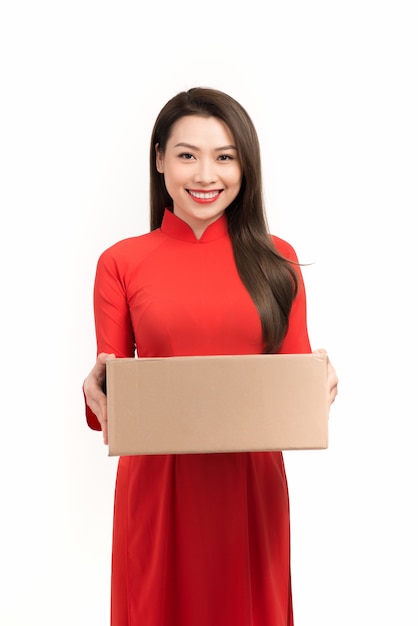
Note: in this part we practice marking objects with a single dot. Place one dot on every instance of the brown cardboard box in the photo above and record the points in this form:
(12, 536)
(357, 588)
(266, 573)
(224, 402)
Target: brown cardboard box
(217, 404)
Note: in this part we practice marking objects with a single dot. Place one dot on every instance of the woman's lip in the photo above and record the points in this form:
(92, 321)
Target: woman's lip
(204, 197)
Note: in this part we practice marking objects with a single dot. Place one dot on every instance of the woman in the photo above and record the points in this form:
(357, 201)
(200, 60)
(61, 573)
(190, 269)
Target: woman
(200, 539)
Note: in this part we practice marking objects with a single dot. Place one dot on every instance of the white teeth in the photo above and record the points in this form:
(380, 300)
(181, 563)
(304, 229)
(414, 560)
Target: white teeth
(204, 195)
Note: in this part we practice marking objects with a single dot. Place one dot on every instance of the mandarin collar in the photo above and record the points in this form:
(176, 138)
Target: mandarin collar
(176, 228)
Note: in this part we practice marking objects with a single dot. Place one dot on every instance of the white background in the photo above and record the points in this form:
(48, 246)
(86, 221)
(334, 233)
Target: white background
(332, 89)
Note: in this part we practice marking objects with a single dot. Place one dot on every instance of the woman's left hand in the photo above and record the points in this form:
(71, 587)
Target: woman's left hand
(332, 377)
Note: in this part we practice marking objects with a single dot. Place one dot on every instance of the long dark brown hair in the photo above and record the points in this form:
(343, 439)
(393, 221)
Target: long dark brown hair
(269, 278)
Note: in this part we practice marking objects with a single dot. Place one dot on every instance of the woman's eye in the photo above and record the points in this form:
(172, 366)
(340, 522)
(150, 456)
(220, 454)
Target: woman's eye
(186, 155)
(225, 157)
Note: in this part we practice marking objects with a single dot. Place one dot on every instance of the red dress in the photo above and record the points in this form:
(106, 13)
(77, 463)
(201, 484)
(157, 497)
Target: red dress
(198, 539)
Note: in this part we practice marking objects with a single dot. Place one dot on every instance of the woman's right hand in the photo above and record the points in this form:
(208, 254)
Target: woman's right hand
(93, 390)
(332, 377)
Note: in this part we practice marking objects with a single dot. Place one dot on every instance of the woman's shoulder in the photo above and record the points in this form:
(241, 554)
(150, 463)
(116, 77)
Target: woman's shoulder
(129, 254)
(284, 248)
(138, 245)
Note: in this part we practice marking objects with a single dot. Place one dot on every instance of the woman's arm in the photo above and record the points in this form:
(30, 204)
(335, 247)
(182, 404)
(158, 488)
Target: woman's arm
(114, 333)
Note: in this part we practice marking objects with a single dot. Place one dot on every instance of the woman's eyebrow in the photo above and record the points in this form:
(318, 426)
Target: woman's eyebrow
(186, 145)
(191, 147)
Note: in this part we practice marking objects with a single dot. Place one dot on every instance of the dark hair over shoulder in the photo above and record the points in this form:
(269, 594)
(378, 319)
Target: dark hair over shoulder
(269, 278)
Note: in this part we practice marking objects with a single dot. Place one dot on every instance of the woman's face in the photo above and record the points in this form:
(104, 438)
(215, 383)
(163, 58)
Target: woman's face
(201, 170)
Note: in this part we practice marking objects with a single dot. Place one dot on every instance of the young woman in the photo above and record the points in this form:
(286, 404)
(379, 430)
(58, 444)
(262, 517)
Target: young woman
(200, 539)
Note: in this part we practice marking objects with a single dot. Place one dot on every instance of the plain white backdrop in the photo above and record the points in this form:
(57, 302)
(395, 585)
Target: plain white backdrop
(332, 90)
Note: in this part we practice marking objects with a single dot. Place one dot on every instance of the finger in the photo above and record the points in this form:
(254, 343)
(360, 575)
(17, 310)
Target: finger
(105, 434)
(333, 390)
(98, 405)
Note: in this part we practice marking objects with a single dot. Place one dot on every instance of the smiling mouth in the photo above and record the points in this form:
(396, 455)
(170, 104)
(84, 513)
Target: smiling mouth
(204, 196)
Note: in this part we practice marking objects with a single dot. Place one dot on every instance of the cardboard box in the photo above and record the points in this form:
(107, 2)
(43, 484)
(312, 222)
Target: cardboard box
(217, 404)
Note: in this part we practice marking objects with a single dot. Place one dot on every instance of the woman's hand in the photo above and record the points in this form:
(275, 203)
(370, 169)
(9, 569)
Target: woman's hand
(93, 390)
(332, 378)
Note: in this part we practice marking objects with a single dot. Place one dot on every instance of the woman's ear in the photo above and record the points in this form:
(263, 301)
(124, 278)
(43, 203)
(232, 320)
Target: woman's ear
(159, 159)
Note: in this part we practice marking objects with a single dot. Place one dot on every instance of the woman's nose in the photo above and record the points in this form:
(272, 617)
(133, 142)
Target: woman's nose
(205, 172)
